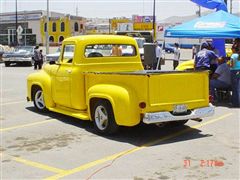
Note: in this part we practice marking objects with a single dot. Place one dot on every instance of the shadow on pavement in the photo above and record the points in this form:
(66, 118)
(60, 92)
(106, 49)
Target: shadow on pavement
(140, 135)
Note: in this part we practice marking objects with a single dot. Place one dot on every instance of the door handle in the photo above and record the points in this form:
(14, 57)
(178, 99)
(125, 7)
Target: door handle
(69, 71)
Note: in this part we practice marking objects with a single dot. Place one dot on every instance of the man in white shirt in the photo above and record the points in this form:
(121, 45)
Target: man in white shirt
(158, 56)
(176, 58)
(221, 77)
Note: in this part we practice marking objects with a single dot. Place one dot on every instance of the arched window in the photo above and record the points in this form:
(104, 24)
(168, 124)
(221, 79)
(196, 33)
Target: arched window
(76, 27)
(61, 38)
(51, 39)
(54, 27)
(62, 26)
(45, 27)
(81, 26)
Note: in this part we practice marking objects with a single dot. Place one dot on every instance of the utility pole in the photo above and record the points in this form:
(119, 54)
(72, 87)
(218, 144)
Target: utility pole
(77, 10)
(16, 24)
(231, 7)
(199, 11)
(153, 25)
(47, 35)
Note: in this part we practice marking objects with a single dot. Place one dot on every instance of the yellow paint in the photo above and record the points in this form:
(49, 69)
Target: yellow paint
(38, 165)
(69, 28)
(185, 65)
(74, 91)
(26, 125)
(123, 153)
(143, 26)
(115, 22)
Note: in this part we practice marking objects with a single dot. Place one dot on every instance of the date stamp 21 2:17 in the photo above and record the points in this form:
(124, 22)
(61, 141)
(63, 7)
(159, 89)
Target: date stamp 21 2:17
(203, 163)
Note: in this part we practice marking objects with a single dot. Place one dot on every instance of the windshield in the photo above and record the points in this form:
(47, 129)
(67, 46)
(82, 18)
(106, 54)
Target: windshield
(24, 49)
(108, 50)
(67, 49)
(140, 42)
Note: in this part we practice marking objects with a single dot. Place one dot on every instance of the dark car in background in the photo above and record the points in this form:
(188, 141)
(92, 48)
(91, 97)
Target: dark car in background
(168, 48)
(22, 55)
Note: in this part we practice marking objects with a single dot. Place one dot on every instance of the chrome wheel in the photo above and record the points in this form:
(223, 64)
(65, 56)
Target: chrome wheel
(101, 117)
(39, 100)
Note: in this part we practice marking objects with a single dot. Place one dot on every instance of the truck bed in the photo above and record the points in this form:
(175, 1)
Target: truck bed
(161, 90)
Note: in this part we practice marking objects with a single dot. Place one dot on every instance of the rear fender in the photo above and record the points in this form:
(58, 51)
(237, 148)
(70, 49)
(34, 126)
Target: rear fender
(122, 99)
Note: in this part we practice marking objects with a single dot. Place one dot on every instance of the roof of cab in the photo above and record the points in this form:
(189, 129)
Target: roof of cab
(105, 39)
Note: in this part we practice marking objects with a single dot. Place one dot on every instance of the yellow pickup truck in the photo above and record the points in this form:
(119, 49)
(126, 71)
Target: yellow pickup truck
(91, 82)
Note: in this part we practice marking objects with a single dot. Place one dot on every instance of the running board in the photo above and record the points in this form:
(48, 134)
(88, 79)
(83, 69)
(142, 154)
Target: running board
(83, 115)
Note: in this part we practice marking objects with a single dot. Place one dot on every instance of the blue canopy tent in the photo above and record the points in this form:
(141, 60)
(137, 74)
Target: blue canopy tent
(217, 25)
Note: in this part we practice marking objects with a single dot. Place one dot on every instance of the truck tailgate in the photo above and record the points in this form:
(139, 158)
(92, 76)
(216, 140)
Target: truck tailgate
(169, 89)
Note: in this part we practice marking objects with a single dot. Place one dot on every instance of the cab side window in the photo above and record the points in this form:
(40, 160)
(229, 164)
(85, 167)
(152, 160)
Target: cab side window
(109, 50)
(68, 53)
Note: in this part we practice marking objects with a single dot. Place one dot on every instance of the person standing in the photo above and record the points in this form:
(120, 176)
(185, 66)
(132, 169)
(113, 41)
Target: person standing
(157, 64)
(116, 50)
(235, 76)
(40, 60)
(194, 51)
(176, 58)
(36, 57)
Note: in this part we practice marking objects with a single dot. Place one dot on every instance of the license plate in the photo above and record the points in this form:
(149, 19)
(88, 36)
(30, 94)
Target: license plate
(181, 108)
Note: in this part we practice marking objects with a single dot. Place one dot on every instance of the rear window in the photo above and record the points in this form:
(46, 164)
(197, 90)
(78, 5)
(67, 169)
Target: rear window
(109, 50)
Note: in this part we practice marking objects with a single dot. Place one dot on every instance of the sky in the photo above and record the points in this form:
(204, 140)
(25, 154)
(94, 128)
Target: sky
(110, 8)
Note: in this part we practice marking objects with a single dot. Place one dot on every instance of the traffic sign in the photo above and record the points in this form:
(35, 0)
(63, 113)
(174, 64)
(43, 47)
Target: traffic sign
(19, 30)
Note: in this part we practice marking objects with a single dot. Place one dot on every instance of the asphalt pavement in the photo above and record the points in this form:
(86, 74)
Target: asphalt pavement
(53, 146)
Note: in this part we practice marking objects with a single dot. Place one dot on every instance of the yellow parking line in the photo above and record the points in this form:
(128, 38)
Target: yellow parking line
(38, 165)
(10, 103)
(27, 125)
(115, 156)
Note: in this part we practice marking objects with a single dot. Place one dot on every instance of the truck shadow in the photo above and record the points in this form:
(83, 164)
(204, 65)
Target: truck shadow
(140, 135)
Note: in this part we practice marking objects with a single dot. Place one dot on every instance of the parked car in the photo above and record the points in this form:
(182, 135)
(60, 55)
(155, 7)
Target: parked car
(21, 55)
(115, 91)
(54, 56)
(168, 48)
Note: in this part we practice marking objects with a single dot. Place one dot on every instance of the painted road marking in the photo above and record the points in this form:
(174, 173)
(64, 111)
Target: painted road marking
(27, 125)
(38, 165)
(10, 103)
(123, 153)
(6, 90)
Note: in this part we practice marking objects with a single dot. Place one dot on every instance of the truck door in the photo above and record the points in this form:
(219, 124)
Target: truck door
(62, 81)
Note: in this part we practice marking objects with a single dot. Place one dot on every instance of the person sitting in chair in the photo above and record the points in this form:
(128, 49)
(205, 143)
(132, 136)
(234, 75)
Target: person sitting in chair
(221, 77)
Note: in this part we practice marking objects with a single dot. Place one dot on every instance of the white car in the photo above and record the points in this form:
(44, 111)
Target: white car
(54, 56)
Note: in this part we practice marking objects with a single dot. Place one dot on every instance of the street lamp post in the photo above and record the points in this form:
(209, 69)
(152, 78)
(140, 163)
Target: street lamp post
(153, 25)
(47, 35)
(16, 24)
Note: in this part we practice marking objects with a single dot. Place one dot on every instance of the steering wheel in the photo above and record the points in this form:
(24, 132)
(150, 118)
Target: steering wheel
(95, 54)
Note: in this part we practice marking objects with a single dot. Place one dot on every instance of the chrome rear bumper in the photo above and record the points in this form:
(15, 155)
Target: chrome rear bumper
(166, 116)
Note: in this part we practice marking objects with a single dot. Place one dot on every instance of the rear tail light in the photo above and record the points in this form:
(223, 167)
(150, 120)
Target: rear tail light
(211, 99)
(142, 105)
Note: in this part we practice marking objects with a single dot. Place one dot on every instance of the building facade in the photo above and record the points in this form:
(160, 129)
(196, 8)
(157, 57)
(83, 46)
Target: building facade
(31, 27)
(59, 28)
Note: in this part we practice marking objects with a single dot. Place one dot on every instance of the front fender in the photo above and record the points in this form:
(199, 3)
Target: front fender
(187, 65)
(43, 80)
(122, 99)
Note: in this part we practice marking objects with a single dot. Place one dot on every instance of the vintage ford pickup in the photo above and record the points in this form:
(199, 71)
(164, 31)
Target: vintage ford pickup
(112, 89)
